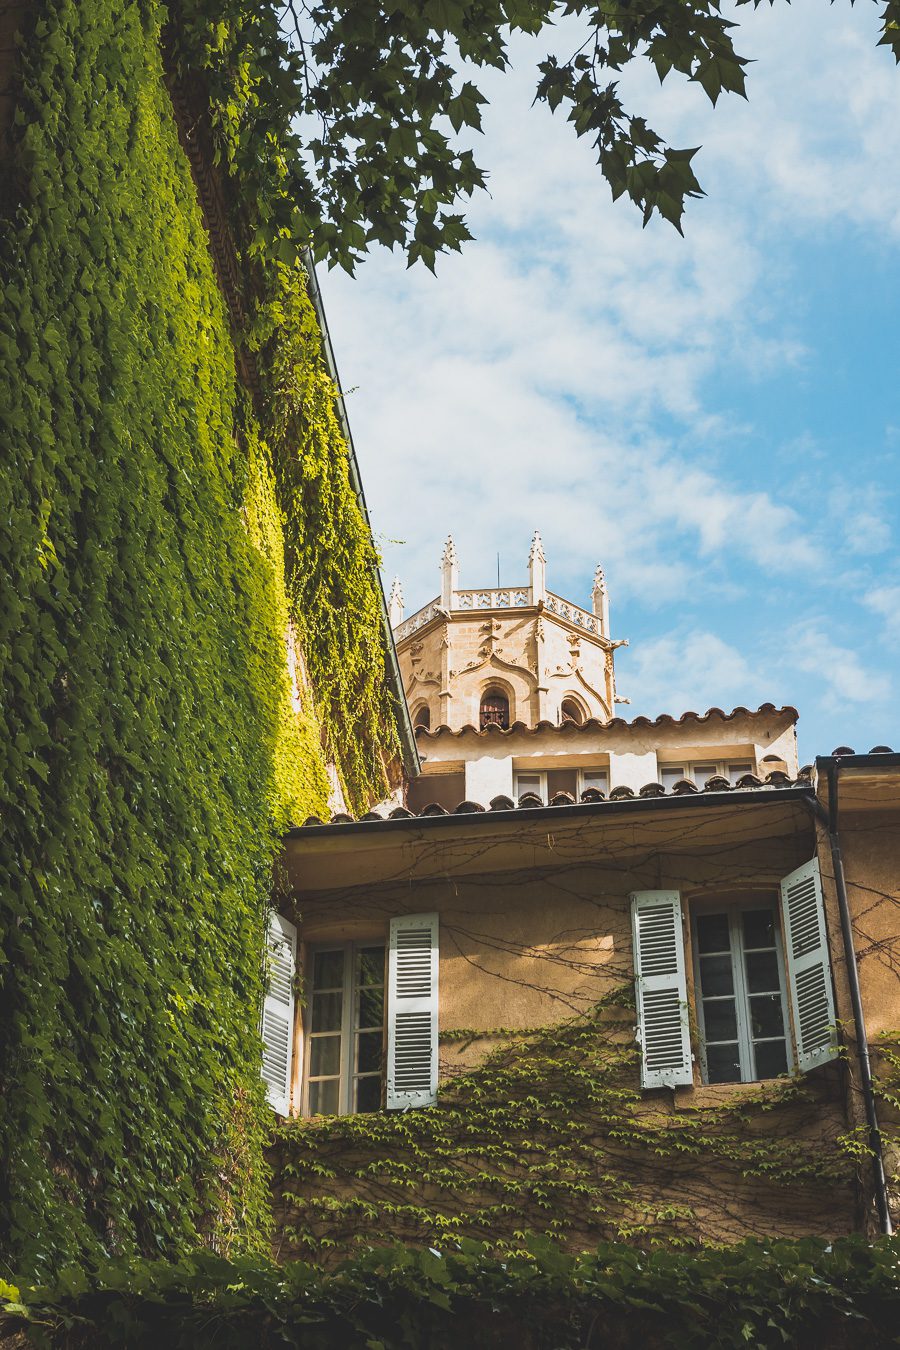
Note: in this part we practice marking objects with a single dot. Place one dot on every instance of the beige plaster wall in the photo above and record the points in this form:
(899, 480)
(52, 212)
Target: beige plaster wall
(530, 948)
(632, 753)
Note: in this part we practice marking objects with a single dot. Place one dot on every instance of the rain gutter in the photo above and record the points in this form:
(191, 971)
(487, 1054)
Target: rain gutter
(830, 766)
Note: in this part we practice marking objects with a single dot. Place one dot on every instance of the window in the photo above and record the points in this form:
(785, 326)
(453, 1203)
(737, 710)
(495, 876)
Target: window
(699, 771)
(494, 710)
(365, 997)
(544, 783)
(571, 711)
(346, 1029)
(740, 986)
(593, 778)
(531, 782)
(422, 717)
(743, 975)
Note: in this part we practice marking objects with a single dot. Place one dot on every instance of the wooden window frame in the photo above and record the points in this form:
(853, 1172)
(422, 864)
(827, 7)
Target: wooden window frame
(733, 908)
(346, 1073)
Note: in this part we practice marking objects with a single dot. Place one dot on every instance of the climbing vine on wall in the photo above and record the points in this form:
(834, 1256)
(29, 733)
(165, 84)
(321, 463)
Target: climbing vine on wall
(331, 561)
(551, 1135)
(151, 747)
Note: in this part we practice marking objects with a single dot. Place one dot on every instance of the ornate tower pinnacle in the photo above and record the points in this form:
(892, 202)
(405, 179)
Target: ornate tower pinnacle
(600, 600)
(395, 603)
(449, 573)
(537, 570)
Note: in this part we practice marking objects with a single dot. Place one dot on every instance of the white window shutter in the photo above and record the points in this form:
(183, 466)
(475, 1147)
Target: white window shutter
(808, 966)
(412, 1051)
(663, 1029)
(278, 1012)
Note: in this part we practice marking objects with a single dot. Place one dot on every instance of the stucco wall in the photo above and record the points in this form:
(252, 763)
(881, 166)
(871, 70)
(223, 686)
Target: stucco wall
(529, 947)
(632, 752)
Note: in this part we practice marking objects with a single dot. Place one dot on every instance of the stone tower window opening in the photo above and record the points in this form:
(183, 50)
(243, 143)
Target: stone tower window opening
(422, 717)
(494, 709)
(571, 711)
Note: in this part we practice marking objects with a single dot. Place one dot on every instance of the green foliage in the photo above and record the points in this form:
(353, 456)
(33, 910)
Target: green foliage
(343, 115)
(149, 751)
(141, 671)
(837, 1296)
(550, 1134)
(331, 563)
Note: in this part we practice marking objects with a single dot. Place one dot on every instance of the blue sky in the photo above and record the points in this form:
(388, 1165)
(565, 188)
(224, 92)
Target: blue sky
(716, 419)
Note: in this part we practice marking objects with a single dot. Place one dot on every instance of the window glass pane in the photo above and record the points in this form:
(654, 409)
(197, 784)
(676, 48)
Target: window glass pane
(736, 771)
(370, 1008)
(701, 772)
(720, 1019)
(326, 1012)
(723, 1064)
(323, 1098)
(595, 778)
(328, 970)
(370, 965)
(765, 1016)
(762, 972)
(759, 927)
(324, 1056)
(771, 1059)
(528, 782)
(712, 933)
(368, 1051)
(368, 1093)
(670, 773)
(716, 975)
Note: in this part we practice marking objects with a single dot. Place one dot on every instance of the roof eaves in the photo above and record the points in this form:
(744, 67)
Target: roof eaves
(799, 790)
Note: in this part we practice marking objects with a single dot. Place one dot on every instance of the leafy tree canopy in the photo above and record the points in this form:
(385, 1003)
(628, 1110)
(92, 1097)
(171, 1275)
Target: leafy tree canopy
(357, 106)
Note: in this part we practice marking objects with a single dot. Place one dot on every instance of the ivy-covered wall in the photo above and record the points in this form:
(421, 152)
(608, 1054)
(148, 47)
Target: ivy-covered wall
(158, 533)
(551, 1135)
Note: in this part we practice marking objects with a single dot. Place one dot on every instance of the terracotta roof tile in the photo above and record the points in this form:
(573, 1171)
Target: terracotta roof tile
(717, 786)
(569, 728)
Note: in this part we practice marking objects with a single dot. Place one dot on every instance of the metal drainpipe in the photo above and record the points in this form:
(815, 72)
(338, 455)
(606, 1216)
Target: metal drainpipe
(862, 1040)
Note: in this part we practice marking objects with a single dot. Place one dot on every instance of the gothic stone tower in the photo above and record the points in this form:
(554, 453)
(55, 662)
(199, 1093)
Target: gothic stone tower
(510, 654)
(513, 696)
(507, 654)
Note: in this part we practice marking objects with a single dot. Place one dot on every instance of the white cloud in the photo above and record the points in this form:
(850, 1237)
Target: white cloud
(694, 669)
(572, 372)
(839, 675)
(885, 602)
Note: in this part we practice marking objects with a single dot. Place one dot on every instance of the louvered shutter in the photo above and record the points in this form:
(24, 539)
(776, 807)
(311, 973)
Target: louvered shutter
(808, 966)
(278, 1011)
(412, 1059)
(661, 989)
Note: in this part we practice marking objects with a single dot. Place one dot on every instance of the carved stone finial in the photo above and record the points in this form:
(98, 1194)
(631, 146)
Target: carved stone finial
(449, 574)
(600, 601)
(395, 603)
(537, 571)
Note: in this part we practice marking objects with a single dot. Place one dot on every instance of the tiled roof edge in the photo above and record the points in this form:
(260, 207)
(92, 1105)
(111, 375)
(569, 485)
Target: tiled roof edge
(714, 791)
(616, 723)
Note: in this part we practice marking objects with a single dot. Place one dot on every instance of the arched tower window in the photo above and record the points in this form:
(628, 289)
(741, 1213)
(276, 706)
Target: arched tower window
(422, 717)
(494, 709)
(571, 711)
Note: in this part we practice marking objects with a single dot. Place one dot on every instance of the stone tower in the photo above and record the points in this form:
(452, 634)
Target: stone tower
(505, 654)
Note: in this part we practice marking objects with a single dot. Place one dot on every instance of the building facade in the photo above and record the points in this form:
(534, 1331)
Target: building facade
(591, 949)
